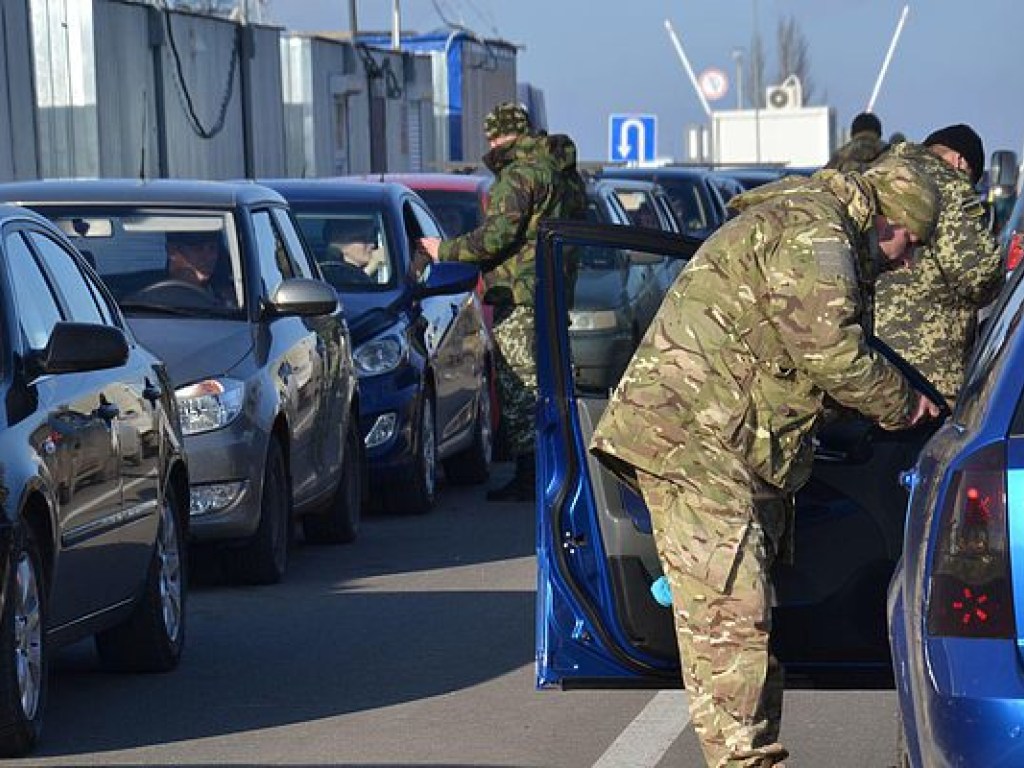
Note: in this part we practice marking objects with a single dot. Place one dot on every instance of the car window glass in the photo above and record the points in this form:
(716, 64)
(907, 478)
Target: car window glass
(980, 376)
(351, 245)
(690, 205)
(38, 310)
(294, 249)
(424, 221)
(613, 296)
(458, 212)
(167, 262)
(69, 280)
(274, 264)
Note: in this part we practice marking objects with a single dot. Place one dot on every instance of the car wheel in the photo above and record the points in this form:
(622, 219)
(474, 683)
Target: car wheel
(152, 638)
(473, 465)
(416, 492)
(264, 558)
(23, 663)
(339, 524)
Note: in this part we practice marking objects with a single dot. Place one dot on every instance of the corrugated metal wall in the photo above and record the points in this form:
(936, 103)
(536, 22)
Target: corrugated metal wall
(18, 156)
(488, 78)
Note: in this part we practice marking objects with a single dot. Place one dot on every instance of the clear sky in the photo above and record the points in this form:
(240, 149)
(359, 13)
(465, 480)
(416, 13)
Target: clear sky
(954, 62)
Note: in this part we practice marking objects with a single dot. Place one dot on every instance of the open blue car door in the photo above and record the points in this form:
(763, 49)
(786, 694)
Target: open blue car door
(597, 622)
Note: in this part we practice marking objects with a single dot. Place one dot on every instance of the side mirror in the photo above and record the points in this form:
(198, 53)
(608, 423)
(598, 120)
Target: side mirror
(304, 297)
(447, 277)
(80, 347)
(1003, 170)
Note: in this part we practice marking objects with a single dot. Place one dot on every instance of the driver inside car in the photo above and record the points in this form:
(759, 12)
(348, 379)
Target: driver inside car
(353, 243)
(192, 257)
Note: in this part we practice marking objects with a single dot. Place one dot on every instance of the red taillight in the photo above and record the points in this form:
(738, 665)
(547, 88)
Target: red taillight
(971, 593)
(1014, 252)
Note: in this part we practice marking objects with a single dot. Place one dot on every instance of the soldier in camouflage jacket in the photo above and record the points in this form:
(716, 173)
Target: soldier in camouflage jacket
(864, 146)
(929, 314)
(713, 417)
(535, 179)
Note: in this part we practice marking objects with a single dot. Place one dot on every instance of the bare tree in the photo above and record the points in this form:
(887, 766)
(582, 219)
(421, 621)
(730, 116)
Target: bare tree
(793, 57)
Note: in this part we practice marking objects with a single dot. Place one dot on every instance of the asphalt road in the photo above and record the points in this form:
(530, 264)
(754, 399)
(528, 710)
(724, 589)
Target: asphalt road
(411, 647)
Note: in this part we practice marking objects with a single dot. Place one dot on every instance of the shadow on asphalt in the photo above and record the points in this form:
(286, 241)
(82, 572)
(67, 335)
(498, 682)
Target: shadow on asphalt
(325, 642)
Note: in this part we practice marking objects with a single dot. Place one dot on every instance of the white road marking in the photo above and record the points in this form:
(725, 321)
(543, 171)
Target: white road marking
(645, 741)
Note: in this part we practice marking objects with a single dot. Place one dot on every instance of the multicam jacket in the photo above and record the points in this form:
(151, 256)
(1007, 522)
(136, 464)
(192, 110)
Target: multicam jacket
(764, 320)
(929, 313)
(536, 179)
(858, 153)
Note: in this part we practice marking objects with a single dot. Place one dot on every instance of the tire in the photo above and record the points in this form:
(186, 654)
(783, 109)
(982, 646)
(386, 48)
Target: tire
(473, 465)
(23, 662)
(264, 558)
(416, 492)
(153, 637)
(339, 523)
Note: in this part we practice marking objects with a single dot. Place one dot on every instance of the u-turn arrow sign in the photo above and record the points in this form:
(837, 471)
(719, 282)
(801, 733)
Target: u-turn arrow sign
(632, 138)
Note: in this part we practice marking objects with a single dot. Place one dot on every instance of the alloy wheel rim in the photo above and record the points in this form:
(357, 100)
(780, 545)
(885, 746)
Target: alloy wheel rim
(28, 636)
(169, 557)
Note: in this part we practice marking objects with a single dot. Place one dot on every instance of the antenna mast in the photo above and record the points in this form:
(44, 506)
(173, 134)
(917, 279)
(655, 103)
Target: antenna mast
(888, 58)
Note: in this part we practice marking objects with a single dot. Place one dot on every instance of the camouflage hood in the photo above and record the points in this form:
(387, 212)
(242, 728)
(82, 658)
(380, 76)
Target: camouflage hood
(563, 152)
(855, 195)
(558, 148)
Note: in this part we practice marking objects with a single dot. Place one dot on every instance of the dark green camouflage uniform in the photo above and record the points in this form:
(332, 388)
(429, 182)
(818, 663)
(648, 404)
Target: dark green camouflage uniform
(536, 179)
(714, 414)
(863, 148)
(929, 313)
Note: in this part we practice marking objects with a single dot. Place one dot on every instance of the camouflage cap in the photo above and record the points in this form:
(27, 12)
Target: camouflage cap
(506, 119)
(906, 195)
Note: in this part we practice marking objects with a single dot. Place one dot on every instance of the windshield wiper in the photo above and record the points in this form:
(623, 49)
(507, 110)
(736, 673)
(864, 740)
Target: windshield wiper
(177, 311)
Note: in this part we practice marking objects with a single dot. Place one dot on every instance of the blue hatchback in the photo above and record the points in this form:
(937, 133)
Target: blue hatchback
(421, 348)
(597, 621)
(955, 619)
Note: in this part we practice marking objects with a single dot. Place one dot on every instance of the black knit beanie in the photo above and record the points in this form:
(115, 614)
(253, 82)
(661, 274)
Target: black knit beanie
(963, 140)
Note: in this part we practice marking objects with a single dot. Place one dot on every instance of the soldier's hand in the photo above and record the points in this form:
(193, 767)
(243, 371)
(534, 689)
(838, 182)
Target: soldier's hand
(924, 410)
(430, 245)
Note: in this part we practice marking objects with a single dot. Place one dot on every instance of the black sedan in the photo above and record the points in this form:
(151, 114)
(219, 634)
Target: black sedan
(92, 478)
(420, 345)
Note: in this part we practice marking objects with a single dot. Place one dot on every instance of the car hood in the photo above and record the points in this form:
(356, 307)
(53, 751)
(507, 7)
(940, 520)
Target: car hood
(598, 289)
(193, 349)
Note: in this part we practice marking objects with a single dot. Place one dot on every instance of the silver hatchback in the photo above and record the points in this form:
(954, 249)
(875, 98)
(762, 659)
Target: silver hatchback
(215, 279)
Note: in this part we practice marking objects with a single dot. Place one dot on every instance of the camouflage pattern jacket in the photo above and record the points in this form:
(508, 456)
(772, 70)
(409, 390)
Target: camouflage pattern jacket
(858, 153)
(929, 313)
(762, 323)
(536, 179)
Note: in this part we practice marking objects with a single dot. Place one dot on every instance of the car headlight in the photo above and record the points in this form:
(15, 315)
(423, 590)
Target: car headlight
(210, 404)
(380, 355)
(594, 320)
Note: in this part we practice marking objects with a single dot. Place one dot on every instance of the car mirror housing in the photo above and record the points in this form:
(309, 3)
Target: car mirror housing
(304, 297)
(448, 277)
(80, 347)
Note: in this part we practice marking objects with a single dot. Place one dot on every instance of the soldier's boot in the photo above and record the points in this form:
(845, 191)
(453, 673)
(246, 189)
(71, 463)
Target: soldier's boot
(522, 486)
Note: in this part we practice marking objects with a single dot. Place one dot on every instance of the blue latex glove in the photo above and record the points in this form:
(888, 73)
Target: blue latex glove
(662, 592)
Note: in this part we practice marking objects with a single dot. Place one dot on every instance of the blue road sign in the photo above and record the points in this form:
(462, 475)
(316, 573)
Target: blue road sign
(632, 138)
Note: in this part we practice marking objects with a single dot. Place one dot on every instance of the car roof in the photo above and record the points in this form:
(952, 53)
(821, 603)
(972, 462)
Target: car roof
(442, 181)
(655, 174)
(347, 189)
(187, 193)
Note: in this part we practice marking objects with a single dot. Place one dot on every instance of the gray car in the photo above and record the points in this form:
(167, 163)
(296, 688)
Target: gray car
(214, 277)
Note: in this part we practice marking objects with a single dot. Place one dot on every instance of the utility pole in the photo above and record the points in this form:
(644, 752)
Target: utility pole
(353, 18)
(737, 56)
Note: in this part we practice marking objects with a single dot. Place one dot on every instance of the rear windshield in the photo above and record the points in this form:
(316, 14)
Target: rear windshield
(175, 262)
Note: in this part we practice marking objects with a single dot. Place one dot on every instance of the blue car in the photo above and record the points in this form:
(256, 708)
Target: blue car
(597, 622)
(422, 351)
(955, 619)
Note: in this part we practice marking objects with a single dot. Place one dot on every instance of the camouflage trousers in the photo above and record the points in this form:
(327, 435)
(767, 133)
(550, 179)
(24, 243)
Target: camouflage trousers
(723, 630)
(517, 376)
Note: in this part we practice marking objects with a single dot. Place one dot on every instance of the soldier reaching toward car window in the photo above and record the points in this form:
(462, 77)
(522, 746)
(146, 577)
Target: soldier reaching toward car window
(929, 314)
(713, 419)
(535, 179)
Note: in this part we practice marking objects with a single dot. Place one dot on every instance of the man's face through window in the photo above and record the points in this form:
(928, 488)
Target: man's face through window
(192, 257)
